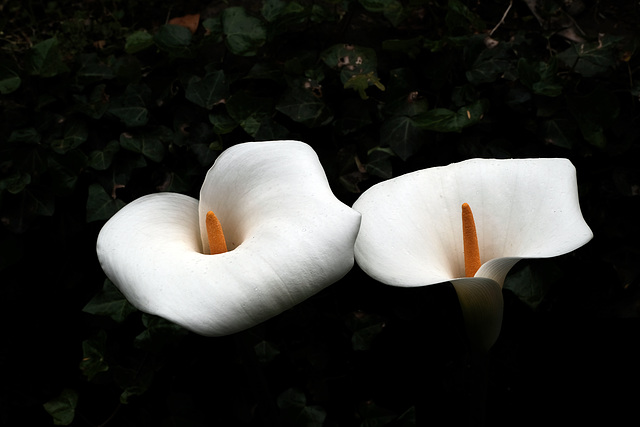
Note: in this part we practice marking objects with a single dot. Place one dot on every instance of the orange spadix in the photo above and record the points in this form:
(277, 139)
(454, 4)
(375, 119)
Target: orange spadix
(470, 239)
(217, 244)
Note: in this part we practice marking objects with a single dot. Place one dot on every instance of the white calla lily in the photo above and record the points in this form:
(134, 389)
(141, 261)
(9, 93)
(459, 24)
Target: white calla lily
(287, 235)
(411, 231)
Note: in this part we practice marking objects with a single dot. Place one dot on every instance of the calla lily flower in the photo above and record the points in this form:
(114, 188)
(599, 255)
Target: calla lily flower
(286, 236)
(412, 232)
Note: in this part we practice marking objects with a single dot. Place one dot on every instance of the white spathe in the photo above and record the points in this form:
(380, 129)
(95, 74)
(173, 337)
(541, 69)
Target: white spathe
(288, 238)
(411, 231)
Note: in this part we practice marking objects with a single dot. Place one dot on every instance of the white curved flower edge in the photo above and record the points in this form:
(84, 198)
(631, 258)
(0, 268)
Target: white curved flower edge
(411, 231)
(288, 238)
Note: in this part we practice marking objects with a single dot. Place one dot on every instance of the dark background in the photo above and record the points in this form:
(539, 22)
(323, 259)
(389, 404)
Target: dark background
(105, 113)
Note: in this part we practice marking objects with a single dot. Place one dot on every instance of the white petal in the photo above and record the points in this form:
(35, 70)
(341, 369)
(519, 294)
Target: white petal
(411, 232)
(290, 238)
(482, 307)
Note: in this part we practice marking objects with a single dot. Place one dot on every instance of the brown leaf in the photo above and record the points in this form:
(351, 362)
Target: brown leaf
(188, 21)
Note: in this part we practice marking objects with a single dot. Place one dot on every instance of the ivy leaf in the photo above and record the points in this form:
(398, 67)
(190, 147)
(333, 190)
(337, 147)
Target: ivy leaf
(101, 159)
(391, 9)
(208, 91)
(45, 60)
(159, 333)
(16, 182)
(365, 328)
(593, 58)
(93, 360)
(379, 163)
(138, 41)
(360, 83)
(133, 382)
(531, 281)
(147, 142)
(75, 133)
(445, 120)
(130, 107)
(9, 80)
(63, 407)
(244, 34)
(175, 40)
(374, 415)
(293, 405)
(265, 351)
(250, 111)
(92, 69)
(594, 112)
(402, 135)
(303, 105)
(94, 105)
(540, 77)
(222, 123)
(109, 302)
(559, 132)
(100, 205)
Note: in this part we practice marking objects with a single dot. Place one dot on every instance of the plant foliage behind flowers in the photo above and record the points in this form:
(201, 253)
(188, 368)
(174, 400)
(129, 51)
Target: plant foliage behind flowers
(103, 102)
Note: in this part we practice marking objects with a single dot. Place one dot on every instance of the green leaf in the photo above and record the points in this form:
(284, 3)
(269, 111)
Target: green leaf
(45, 60)
(133, 382)
(445, 120)
(25, 136)
(531, 280)
(250, 111)
(101, 159)
(175, 40)
(39, 202)
(293, 405)
(16, 182)
(244, 34)
(402, 135)
(92, 69)
(94, 105)
(592, 58)
(351, 60)
(9, 80)
(75, 133)
(490, 64)
(559, 132)
(459, 18)
(410, 47)
(222, 123)
(110, 302)
(541, 77)
(303, 103)
(379, 163)
(130, 107)
(138, 41)
(93, 359)
(100, 205)
(392, 9)
(63, 407)
(208, 91)
(273, 9)
(265, 351)
(594, 113)
(354, 115)
(65, 170)
(374, 415)
(159, 333)
(148, 142)
(365, 327)
(360, 83)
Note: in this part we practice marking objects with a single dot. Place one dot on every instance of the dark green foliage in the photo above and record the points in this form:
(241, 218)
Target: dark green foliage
(103, 102)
